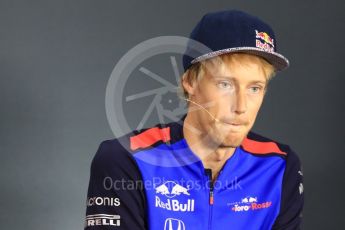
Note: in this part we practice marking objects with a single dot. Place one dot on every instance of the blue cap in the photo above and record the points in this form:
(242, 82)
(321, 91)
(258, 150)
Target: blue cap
(234, 31)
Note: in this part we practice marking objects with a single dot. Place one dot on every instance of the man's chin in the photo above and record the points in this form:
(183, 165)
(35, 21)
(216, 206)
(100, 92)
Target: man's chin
(233, 140)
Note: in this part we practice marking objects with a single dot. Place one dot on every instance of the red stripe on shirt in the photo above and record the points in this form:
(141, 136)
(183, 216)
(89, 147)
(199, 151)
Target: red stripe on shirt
(261, 147)
(149, 137)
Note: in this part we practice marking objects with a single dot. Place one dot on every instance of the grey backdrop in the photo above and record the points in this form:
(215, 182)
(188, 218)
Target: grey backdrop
(57, 56)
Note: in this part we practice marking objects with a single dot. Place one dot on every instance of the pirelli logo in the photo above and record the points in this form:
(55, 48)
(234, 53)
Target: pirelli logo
(102, 220)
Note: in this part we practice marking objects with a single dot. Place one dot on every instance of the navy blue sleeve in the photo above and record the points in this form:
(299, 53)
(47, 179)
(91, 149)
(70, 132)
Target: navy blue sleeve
(292, 200)
(115, 198)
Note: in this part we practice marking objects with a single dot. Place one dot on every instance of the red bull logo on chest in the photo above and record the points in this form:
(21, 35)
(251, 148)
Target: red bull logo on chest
(170, 189)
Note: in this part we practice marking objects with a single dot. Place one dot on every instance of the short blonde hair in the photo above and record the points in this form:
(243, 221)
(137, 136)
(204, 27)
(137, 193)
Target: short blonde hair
(196, 71)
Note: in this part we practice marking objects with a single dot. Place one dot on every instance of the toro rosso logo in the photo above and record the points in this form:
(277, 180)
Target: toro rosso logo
(249, 204)
(170, 189)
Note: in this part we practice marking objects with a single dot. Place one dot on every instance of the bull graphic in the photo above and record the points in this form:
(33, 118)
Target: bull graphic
(264, 36)
(162, 189)
(245, 200)
(171, 189)
(178, 189)
(249, 200)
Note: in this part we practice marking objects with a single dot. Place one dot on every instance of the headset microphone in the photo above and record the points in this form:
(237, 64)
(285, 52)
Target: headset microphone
(203, 109)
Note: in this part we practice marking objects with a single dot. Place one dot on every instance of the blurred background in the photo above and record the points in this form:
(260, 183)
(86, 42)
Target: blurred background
(56, 58)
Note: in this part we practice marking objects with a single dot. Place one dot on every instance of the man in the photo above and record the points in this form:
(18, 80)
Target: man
(208, 170)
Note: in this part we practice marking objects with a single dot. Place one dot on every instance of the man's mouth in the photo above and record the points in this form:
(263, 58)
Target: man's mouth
(234, 123)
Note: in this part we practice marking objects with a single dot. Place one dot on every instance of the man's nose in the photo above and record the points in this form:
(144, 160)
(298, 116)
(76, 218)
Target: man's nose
(239, 104)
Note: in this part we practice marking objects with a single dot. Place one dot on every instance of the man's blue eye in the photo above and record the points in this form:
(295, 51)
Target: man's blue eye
(224, 84)
(255, 89)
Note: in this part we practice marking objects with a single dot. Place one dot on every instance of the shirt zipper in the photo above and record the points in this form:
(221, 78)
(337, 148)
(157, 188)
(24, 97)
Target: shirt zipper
(211, 198)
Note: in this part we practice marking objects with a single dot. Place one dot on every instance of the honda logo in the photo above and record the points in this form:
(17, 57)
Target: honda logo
(174, 224)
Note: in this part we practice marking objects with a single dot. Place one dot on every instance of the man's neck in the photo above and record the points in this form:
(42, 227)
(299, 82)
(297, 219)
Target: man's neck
(212, 156)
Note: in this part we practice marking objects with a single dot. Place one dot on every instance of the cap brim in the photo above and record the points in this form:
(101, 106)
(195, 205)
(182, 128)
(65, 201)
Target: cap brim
(276, 59)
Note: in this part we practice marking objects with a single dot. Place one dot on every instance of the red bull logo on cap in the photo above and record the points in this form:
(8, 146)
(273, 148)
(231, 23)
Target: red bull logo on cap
(265, 37)
(264, 41)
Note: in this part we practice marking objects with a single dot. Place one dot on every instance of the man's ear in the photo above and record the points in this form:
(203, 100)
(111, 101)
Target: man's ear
(187, 85)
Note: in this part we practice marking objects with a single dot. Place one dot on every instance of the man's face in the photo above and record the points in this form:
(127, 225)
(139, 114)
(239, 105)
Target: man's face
(233, 94)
